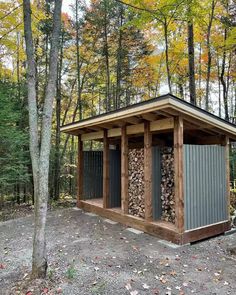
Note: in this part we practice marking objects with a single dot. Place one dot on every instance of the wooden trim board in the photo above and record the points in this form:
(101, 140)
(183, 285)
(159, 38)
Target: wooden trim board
(158, 125)
(159, 229)
(205, 232)
(138, 223)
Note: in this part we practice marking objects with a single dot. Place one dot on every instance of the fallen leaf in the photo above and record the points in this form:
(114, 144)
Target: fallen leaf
(145, 286)
(128, 287)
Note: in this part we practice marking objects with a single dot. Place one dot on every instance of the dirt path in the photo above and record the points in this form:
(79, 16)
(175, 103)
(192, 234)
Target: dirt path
(87, 255)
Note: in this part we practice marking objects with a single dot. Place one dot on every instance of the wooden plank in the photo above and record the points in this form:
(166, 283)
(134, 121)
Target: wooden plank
(150, 116)
(217, 139)
(92, 135)
(154, 228)
(105, 170)
(147, 171)
(163, 124)
(205, 232)
(124, 171)
(132, 120)
(178, 172)
(158, 125)
(115, 132)
(227, 163)
(80, 168)
(135, 129)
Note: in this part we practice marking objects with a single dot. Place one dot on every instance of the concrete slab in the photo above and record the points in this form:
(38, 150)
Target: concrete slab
(77, 209)
(169, 244)
(110, 221)
(134, 231)
(230, 232)
(91, 214)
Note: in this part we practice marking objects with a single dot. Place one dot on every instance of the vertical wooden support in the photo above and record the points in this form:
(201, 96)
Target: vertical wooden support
(80, 169)
(147, 171)
(178, 171)
(124, 171)
(106, 171)
(227, 163)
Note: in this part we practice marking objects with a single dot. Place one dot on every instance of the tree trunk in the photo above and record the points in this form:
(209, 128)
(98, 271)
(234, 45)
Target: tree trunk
(40, 151)
(222, 80)
(209, 54)
(106, 53)
(192, 87)
(78, 60)
(58, 122)
(119, 60)
(167, 56)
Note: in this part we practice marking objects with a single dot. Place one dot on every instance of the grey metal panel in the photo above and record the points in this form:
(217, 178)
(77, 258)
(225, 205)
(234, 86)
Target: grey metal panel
(156, 182)
(204, 185)
(92, 174)
(115, 178)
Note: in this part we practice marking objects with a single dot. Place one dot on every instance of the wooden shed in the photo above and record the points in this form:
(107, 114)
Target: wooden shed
(181, 156)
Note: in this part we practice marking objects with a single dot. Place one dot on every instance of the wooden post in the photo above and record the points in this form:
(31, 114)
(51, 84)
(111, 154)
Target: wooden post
(178, 171)
(124, 171)
(80, 169)
(147, 171)
(106, 171)
(227, 163)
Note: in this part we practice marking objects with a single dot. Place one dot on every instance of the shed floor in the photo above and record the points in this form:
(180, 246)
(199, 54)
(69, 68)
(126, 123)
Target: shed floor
(90, 256)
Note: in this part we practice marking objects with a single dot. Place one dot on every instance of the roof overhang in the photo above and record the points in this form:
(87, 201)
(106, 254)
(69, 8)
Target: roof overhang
(166, 105)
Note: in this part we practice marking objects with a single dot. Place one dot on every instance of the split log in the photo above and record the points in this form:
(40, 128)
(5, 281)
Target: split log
(136, 182)
(167, 185)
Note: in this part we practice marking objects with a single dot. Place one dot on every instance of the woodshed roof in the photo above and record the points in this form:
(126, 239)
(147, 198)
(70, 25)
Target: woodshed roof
(159, 111)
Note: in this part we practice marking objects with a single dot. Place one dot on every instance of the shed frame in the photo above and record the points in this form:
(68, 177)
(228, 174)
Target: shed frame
(162, 120)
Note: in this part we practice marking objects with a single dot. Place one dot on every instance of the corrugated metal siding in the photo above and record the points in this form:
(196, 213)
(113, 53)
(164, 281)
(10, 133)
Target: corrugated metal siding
(156, 182)
(93, 170)
(93, 176)
(204, 185)
(115, 178)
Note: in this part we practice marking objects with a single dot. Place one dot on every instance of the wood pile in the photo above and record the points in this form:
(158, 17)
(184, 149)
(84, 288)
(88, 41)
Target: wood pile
(136, 182)
(167, 185)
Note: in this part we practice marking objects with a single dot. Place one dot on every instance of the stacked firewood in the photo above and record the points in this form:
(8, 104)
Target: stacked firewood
(136, 182)
(167, 184)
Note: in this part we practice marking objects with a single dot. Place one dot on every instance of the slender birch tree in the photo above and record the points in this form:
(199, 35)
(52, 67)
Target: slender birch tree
(40, 134)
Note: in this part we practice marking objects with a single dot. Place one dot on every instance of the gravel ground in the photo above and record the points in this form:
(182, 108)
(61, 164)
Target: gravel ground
(87, 255)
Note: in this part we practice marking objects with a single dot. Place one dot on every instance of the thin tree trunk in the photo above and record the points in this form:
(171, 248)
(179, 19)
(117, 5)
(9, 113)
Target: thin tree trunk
(119, 59)
(200, 75)
(191, 63)
(167, 56)
(219, 88)
(106, 52)
(209, 57)
(222, 79)
(58, 122)
(78, 60)
(40, 152)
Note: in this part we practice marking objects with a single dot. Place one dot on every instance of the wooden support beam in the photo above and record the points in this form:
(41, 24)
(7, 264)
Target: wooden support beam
(80, 168)
(106, 179)
(227, 163)
(132, 120)
(178, 172)
(124, 171)
(147, 171)
(158, 125)
(150, 116)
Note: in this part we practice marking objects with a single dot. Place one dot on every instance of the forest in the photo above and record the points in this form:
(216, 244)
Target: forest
(112, 54)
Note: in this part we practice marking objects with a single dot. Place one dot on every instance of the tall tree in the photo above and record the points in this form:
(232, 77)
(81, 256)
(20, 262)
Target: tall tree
(191, 57)
(40, 136)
